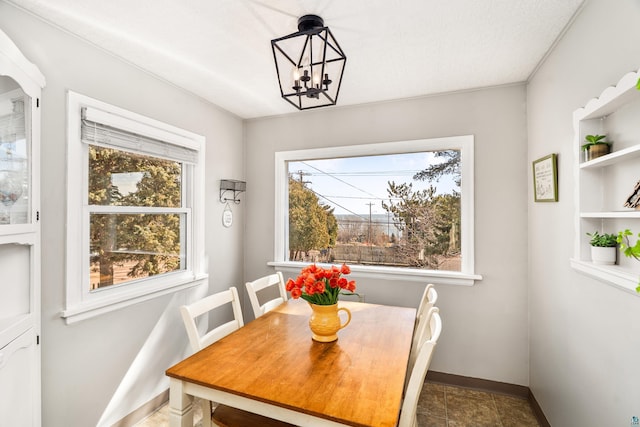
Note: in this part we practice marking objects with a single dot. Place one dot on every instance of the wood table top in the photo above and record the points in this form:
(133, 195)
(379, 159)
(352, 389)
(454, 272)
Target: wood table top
(357, 380)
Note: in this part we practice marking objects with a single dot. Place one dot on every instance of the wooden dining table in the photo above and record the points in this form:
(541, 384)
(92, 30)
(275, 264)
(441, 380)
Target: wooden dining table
(272, 367)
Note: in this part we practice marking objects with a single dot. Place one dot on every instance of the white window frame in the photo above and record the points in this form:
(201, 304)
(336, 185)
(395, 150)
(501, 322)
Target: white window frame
(464, 143)
(82, 303)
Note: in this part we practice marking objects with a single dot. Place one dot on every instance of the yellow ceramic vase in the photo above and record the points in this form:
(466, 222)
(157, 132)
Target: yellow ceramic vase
(325, 322)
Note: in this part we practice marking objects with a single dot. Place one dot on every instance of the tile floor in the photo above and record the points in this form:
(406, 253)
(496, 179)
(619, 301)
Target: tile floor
(439, 406)
(448, 406)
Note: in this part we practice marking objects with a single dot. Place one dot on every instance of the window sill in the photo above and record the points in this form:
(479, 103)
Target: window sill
(391, 273)
(88, 309)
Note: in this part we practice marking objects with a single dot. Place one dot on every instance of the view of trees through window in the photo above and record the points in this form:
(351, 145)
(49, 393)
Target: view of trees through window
(400, 210)
(135, 230)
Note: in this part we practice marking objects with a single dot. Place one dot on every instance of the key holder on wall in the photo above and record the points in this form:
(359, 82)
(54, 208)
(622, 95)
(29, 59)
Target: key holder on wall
(233, 185)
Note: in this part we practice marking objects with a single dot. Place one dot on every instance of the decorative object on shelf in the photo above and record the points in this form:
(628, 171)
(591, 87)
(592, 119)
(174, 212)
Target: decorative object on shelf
(11, 185)
(233, 185)
(309, 64)
(627, 249)
(595, 147)
(545, 179)
(321, 287)
(633, 201)
(603, 248)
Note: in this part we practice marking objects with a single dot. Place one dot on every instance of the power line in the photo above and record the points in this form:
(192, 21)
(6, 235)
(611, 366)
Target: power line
(364, 198)
(373, 173)
(332, 202)
(342, 181)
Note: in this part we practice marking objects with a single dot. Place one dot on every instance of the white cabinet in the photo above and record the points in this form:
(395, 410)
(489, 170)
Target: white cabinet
(19, 376)
(20, 87)
(604, 184)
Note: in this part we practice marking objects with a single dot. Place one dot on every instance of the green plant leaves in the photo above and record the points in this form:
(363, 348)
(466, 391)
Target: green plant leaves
(603, 240)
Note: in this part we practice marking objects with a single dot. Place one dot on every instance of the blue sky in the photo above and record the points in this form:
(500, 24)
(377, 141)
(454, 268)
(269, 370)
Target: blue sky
(351, 184)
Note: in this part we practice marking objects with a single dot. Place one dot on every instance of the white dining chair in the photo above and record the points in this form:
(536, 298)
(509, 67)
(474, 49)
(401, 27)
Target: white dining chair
(408, 417)
(191, 312)
(223, 416)
(429, 298)
(429, 328)
(198, 341)
(271, 281)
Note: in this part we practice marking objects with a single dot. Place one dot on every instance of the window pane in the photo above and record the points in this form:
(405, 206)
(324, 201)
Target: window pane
(127, 247)
(119, 178)
(400, 210)
(14, 154)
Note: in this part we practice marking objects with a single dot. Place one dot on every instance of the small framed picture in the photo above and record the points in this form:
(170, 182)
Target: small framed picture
(545, 179)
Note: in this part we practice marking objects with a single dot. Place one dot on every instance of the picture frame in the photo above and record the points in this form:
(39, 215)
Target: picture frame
(545, 179)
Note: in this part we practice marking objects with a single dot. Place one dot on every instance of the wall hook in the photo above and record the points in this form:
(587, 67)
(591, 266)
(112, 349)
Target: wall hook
(233, 185)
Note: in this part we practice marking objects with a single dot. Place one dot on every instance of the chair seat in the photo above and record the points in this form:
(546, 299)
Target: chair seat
(226, 416)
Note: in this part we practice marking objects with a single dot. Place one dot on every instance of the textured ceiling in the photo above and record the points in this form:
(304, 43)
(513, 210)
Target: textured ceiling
(221, 51)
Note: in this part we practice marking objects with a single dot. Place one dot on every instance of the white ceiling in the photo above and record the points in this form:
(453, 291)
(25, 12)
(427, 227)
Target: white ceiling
(221, 51)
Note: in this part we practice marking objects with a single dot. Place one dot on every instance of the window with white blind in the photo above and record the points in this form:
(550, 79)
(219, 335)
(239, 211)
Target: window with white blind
(134, 209)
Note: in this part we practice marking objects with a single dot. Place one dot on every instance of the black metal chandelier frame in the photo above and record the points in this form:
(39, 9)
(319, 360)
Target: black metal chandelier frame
(310, 83)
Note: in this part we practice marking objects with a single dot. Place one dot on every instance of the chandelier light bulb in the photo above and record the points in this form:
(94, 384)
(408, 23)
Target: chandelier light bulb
(316, 79)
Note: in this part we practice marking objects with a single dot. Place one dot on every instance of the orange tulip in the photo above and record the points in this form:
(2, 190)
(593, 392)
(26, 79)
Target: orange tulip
(345, 269)
(296, 293)
(351, 286)
(320, 285)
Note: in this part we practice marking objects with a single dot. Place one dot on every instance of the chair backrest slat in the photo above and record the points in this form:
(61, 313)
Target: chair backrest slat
(191, 312)
(257, 285)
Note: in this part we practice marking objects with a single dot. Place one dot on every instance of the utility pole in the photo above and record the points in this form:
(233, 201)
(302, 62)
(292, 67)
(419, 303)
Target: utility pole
(370, 243)
(301, 174)
(369, 204)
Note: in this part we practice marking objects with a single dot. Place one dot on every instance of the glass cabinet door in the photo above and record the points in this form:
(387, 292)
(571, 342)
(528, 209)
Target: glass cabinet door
(15, 154)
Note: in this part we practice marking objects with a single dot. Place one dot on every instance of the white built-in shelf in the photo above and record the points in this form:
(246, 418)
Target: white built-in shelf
(603, 182)
(614, 214)
(613, 274)
(612, 158)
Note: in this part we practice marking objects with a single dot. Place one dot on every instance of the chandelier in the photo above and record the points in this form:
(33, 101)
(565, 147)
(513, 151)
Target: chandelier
(309, 64)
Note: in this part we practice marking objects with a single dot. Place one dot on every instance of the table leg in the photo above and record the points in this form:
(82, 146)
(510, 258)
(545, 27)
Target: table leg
(180, 405)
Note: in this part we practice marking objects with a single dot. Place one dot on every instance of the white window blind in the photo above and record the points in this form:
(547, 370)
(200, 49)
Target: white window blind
(109, 130)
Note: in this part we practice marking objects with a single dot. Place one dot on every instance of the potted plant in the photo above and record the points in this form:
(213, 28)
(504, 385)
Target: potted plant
(595, 146)
(603, 248)
(625, 245)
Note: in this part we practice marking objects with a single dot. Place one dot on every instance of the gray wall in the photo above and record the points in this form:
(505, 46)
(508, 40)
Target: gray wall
(578, 335)
(584, 334)
(485, 326)
(98, 370)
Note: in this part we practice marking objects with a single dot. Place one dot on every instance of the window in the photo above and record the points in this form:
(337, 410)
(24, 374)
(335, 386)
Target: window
(134, 210)
(401, 209)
